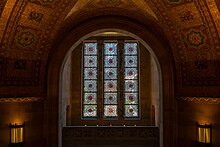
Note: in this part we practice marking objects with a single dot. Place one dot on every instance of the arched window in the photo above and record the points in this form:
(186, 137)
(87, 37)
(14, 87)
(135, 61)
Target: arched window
(113, 81)
(110, 79)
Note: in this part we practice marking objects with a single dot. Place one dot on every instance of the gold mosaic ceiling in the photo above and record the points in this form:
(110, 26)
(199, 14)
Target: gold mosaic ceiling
(28, 28)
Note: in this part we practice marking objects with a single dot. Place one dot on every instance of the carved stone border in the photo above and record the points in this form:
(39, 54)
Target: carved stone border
(203, 100)
(21, 99)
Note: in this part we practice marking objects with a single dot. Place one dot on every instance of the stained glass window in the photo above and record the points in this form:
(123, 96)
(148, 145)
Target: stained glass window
(110, 80)
(131, 83)
(90, 80)
(110, 86)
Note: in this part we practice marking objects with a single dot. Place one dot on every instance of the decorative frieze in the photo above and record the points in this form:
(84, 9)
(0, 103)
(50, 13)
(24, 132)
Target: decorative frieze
(112, 131)
(115, 135)
(204, 100)
(21, 99)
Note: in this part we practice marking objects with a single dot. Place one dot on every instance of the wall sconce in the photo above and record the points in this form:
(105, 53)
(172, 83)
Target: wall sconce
(204, 134)
(16, 133)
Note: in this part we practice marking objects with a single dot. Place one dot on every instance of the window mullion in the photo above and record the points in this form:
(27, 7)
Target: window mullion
(100, 79)
(121, 77)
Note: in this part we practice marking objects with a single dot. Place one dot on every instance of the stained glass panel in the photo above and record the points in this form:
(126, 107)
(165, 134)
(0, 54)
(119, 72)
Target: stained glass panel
(130, 61)
(110, 73)
(110, 98)
(110, 48)
(131, 85)
(90, 85)
(90, 73)
(90, 48)
(131, 73)
(130, 48)
(110, 86)
(131, 98)
(110, 79)
(110, 111)
(131, 111)
(90, 111)
(90, 61)
(90, 80)
(90, 98)
(110, 61)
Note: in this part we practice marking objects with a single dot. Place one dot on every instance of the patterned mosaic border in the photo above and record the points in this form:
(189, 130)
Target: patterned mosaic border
(204, 100)
(21, 99)
(103, 132)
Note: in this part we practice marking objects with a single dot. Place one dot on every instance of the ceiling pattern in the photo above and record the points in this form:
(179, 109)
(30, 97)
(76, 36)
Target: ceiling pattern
(28, 29)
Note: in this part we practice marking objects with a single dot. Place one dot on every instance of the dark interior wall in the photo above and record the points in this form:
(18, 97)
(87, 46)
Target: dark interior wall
(145, 92)
(32, 113)
(189, 113)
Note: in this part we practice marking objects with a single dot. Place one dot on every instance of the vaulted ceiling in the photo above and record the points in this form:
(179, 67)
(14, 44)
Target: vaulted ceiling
(29, 28)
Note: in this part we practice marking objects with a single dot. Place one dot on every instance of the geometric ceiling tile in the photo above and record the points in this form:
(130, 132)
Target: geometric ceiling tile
(111, 3)
(16, 72)
(195, 38)
(186, 16)
(174, 1)
(25, 39)
(48, 3)
(201, 72)
(35, 16)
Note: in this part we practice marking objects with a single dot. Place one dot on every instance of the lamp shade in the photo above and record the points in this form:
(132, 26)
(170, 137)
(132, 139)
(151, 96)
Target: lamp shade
(204, 133)
(16, 133)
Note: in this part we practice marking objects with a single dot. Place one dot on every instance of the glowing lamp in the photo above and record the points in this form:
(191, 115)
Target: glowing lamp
(16, 133)
(204, 133)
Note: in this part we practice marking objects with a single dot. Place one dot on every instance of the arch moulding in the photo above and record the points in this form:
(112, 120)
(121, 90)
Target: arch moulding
(159, 46)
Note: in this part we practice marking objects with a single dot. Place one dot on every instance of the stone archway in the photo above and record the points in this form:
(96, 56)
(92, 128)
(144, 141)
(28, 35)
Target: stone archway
(160, 48)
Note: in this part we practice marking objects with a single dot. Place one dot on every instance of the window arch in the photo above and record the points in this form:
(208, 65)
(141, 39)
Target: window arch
(145, 105)
(110, 79)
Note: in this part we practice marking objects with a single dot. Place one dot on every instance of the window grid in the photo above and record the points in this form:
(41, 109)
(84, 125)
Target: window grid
(131, 84)
(90, 80)
(119, 75)
(110, 99)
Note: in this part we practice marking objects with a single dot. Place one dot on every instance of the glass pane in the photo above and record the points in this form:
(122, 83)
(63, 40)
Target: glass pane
(131, 73)
(90, 48)
(110, 111)
(90, 61)
(90, 85)
(131, 85)
(110, 61)
(130, 61)
(90, 111)
(110, 73)
(131, 110)
(130, 48)
(131, 98)
(90, 98)
(110, 48)
(110, 98)
(90, 73)
(110, 86)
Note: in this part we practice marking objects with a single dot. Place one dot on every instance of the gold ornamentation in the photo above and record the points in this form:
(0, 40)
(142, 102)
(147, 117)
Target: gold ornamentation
(204, 100)
(35, 16)
(110, 3)
(21, 99)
